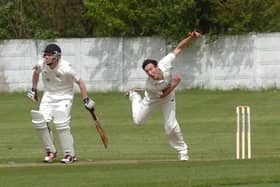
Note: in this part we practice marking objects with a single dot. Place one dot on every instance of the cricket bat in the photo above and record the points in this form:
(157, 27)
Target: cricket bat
(100, 130)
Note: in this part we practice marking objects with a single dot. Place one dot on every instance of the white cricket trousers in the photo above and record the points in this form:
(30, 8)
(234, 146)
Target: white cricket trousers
(142, 108)
(58, 110)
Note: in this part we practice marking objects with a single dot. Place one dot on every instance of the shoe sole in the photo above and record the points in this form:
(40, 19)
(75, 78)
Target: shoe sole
(134, 90)
(49, 161)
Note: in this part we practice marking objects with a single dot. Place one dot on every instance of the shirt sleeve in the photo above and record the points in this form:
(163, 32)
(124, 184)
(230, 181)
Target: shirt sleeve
(166, 62)
(73, 73)
(38, 66)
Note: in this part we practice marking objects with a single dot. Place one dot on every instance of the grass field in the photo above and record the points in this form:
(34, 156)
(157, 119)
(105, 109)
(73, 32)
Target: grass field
(141, 156)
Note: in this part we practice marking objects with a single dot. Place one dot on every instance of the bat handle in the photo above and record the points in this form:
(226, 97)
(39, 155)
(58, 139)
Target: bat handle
(93, 115)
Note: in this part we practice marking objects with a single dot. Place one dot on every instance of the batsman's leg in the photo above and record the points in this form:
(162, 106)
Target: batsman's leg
(45, 134)
(67, 144)
(62, 124)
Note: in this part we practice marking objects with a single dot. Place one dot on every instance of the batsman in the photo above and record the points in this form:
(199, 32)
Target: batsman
(58, 79)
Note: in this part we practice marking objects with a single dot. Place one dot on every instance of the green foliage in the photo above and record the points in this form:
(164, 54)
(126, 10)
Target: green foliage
(42, 19)
(141, 18)
(243, 16)
(13, 22)
(170, 19)
(273, 16)
(46, 34)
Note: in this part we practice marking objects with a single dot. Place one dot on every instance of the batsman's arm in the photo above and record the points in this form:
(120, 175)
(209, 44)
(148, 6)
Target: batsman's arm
(89, 103)
(33, 94)
(35, 79)
(175, 81)
(83, 88)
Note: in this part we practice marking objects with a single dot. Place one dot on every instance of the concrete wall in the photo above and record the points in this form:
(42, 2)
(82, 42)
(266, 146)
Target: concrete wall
(105, 64)
(246, 62)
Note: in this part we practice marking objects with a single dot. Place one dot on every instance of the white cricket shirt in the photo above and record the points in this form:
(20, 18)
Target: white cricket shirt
(154, 88)
(58, 81)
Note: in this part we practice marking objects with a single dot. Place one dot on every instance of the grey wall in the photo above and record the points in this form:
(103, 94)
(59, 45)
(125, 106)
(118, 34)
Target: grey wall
(105, 64)
(247, 62)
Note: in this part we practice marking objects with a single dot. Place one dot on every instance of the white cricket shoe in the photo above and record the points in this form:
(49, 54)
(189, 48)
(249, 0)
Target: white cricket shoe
(132, 90)
(68, 159)
(183, 157)
(50, 157)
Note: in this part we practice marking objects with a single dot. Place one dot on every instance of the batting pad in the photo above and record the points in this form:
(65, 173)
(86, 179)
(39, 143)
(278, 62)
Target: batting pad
(44, 132)
(66, 141)
(61, 120)
(47, 139)
(38, 119)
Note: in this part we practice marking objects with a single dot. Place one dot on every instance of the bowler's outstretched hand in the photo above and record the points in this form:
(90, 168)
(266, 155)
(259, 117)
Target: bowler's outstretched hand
(195, 34)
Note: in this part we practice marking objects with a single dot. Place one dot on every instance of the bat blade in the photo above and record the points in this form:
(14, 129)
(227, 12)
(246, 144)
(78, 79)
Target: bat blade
(100, 130)
(102, 134)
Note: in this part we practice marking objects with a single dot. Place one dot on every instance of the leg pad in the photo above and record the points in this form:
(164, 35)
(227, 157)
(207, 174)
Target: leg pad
(38, 119)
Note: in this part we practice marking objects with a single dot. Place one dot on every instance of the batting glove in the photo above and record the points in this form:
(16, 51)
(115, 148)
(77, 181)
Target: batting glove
(33, 94)
(89, 104)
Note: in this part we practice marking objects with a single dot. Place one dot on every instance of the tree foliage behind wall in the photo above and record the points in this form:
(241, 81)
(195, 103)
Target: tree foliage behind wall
(47, 19)
(41, 19)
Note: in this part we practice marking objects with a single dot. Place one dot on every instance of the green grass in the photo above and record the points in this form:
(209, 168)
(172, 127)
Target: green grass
(141, 156)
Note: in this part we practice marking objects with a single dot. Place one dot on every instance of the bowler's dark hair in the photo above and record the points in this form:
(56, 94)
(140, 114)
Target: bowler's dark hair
(149, 61)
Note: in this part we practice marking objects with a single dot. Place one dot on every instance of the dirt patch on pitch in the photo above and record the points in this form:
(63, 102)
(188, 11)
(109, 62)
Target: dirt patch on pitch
(83, 162)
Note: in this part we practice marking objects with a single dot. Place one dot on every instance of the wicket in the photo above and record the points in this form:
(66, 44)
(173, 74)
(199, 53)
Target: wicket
(241, 118)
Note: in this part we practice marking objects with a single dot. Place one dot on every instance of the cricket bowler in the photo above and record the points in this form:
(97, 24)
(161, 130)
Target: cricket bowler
(159, 92)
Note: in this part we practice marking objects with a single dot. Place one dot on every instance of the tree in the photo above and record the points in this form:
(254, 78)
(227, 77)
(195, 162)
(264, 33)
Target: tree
(272, 15)
(171, 19)
(41, 19)
(13, 21)
(244, 16)
(141, 17)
